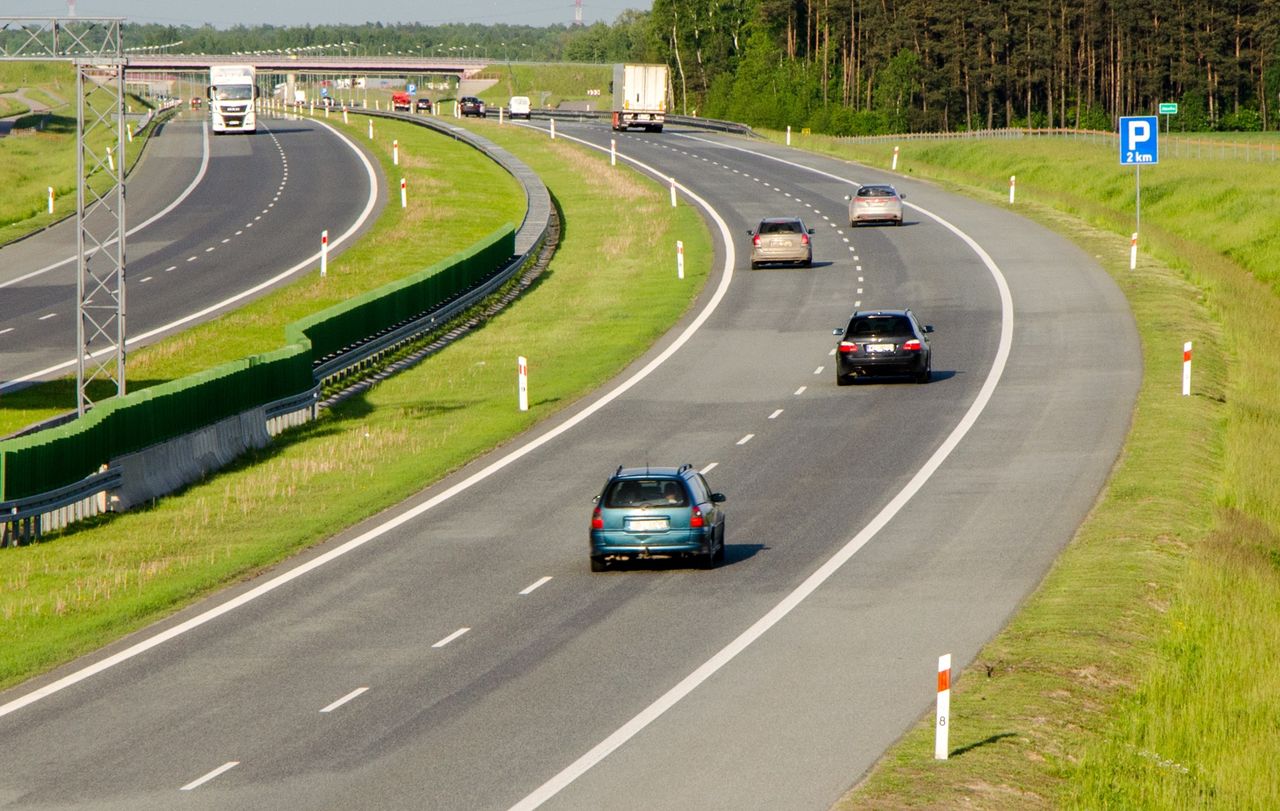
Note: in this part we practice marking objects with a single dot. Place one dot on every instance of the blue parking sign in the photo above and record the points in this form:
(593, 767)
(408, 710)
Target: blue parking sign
(1139, 140)
(412, 88)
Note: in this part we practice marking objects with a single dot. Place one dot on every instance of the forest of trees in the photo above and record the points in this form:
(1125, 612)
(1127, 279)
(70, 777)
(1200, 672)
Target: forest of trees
(874, 66)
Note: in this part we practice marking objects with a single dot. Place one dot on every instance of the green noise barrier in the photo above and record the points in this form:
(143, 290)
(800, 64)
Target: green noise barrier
(58, 457)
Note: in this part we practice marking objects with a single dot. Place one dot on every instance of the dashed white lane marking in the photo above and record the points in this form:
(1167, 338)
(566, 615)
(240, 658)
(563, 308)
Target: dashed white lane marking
(195, 784)
(846, 239)
(746, 439)
(861, 279)
(818, 371)
(238, 233)
(801, 390)
(248, 225)
(858, 303)
(144, 279)
(6, 330)
(859, 291)
(170, 268)
(335, 705)
(855, 259)
(529, 589)
(450, 637)
(775, 414)
(209, 249)
(264, 211)
(709, 468)
(825, 217)
(46, 317)
(225, 241)
(859, 269)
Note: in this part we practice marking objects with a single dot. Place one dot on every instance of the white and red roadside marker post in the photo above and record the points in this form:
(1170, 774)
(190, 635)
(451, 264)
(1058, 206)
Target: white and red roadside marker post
(894, 166)
(1013, 184)
(324, 253)
(51, 199)
(1186, 369)
(1133, 251)
(788, 135)
(673, 192)
(344, 116)
(942, 720)
(522, 381)
(679, 259)
(395, 152)
(553, 129)
(370, 129)
(404, 194)
(613, 151)
(501, 111)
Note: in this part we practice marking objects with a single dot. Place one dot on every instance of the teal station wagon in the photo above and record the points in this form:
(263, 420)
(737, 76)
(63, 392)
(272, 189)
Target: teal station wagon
(657, 512)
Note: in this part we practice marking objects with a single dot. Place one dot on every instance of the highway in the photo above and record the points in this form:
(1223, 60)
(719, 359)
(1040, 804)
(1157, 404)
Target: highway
(457, 653)
(212, 222)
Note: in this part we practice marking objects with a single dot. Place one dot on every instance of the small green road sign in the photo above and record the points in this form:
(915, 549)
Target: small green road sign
(1168, 108)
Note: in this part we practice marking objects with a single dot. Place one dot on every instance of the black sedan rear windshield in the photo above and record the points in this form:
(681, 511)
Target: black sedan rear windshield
(646, 493)
(881, 326)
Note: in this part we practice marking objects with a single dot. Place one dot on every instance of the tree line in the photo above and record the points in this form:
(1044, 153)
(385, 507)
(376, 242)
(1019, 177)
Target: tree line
(878, 66)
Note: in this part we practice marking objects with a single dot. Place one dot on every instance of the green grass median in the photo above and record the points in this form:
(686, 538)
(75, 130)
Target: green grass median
(84, 587)
(1141, 673)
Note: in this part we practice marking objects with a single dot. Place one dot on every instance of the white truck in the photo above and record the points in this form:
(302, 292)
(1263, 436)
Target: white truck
(231, 94)
(639, 97)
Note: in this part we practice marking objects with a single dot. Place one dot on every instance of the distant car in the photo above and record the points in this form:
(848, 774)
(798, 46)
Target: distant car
(423, 105)
(875, 203)
(657, 512)
(196, 101)
(781, 239)
(883, 342)
(470, 105)
(520, 107)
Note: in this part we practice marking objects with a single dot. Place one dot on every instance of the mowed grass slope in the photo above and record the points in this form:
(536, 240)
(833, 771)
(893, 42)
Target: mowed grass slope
(548, 85)
(32, 162)
(87, 586)
(1142, 672)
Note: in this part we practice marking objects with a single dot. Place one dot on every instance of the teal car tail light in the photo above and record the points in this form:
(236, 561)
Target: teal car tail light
(597, 520)
(695, 519)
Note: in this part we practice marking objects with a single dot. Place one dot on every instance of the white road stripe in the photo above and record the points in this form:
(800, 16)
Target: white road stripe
(171, 267)
(529, 589)
(450, 637)
(818, 371)
(226, 767)
(775, 414)
(209, 249)
(335, 705)
(746, 439)
(801, 390)
(709, 468)
(47, 317)
(6, 330)
(192, 258)
(144, 279)
(225, 241)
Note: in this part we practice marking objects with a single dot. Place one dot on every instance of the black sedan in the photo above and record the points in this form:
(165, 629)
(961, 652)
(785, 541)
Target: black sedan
(472, 106)
(885, 342)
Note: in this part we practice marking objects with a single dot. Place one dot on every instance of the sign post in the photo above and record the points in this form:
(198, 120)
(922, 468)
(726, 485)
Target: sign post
(1139, 144)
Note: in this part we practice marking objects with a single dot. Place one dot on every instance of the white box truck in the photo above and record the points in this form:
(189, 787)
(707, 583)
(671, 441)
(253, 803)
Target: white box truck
(231, 95)
(639, 97)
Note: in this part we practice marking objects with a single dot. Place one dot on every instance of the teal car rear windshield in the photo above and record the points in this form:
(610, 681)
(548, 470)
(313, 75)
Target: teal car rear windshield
(624, 493)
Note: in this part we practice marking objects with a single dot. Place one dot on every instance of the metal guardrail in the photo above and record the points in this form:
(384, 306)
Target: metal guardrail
(26, 518)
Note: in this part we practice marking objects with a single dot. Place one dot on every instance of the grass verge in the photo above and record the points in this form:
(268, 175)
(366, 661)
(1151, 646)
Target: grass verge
(94, 583)
(1140, 674)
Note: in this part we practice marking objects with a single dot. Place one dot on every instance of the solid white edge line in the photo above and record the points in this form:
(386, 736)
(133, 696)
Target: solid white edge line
(450, 637)
(535, 585)
(409, 515)
(226, 767)
(353, 694)
(686, 685)
(204, 166)
(304, 264)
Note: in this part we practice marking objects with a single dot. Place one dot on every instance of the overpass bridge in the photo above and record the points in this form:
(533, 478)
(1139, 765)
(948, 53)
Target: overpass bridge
(284, 63)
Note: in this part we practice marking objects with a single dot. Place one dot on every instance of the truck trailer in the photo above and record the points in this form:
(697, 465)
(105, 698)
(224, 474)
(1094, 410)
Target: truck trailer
(232, 91)
(639, 97)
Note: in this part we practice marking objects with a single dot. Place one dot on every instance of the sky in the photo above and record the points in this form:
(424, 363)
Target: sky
(226, 13)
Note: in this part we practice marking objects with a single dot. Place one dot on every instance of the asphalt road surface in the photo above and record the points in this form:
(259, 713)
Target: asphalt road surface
(457, 652)
(212, 222)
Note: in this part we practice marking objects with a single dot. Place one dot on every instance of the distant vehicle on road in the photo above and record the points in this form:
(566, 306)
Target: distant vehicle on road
(781, 239)
(423, 105)
(471, 106)
(639, 97)
(401, 101)
(875, 203)
(884, 342)
(521, 108)
(232, 90)
(657, 512)
(196, 101)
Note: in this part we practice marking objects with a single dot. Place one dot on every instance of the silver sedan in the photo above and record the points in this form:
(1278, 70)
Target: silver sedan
(781, 239)
(875, 203)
